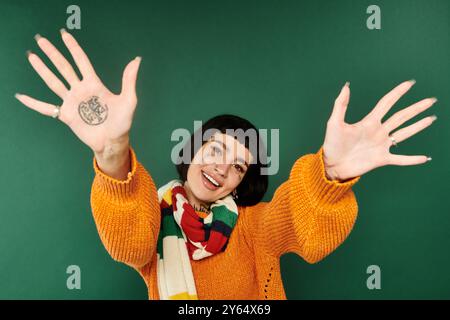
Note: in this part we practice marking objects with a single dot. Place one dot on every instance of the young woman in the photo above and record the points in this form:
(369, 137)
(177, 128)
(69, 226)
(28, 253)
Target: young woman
(207, 235)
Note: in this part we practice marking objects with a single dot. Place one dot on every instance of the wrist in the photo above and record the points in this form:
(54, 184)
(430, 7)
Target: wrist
(331, 173)
(334, 173)
(113, 149)
(331, 170)
(115, 160)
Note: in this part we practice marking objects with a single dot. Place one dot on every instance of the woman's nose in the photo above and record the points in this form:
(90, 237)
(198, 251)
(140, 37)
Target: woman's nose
(222, 169)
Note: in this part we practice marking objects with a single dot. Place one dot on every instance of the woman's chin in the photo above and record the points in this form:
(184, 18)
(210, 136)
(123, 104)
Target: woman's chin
(207, 196)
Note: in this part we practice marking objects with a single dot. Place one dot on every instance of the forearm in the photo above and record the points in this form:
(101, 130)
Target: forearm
(309, 214)
(127, 214)
(323, 211)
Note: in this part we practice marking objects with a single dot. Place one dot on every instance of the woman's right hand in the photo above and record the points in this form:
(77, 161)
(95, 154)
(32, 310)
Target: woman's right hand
(98, 117)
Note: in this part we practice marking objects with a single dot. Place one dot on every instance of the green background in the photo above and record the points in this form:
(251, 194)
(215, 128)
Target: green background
(279, 64)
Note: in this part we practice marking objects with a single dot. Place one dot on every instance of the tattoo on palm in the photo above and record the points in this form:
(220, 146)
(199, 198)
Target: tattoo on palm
(92, 111)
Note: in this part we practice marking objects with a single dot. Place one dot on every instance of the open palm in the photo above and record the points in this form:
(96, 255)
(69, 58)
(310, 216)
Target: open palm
(351, 150)
(96, 115)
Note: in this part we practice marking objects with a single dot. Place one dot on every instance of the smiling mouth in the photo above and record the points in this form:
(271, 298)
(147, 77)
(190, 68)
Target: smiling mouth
(210, 182)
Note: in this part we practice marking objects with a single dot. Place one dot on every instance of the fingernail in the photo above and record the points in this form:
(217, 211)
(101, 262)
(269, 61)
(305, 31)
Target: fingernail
(37, 37)
(17, 95)
(429, 159)
(139, 58)
(28, 52)
(62, 30)
(433, 117)
(347, 84)
(413, 81)
(434, 99)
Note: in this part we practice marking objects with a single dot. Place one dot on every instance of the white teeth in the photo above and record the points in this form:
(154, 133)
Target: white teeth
(214, 182)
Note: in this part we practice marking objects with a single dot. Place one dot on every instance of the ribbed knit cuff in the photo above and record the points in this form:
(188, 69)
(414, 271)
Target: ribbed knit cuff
(320, 188)
(114, 187)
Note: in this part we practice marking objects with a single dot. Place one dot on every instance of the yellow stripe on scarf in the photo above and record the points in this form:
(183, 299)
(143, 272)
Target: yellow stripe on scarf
(183, 296)
(168, 197)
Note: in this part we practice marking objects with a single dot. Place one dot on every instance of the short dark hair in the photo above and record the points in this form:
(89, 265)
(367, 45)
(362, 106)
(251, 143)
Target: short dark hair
(252, 188)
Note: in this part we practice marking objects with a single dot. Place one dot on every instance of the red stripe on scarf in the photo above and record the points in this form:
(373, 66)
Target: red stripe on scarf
(164, 204)
(216, 242)
(192, 225)
(194, 228)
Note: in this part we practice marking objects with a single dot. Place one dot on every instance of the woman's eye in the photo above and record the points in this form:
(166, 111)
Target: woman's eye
(216, 150)
(239, 168)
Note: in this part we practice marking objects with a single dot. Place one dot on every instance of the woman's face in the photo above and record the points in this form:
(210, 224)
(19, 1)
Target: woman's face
(218, 168)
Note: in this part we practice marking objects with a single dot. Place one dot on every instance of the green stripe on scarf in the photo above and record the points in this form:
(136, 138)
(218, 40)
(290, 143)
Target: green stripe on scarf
(223, 214)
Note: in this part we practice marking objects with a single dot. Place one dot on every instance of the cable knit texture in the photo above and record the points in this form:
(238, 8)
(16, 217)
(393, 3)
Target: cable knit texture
(308, 215)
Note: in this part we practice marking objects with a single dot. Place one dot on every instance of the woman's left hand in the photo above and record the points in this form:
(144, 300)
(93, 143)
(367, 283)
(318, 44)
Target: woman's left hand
(351, 150)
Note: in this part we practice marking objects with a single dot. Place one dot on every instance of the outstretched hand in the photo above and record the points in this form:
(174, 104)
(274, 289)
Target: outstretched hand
(351, 150)
(99, 118)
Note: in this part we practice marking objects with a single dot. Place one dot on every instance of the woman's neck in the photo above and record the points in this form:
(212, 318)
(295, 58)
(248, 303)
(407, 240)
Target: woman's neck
(194, 202)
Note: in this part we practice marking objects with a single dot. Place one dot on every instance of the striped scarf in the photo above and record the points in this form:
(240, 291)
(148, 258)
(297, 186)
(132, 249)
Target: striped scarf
(185, 234)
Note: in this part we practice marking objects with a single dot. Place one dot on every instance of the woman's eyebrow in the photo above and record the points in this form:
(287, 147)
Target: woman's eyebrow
(242, 160)
(226, 150)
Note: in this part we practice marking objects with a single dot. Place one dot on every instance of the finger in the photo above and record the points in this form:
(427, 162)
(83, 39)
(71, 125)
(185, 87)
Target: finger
(39, 106)
(386, 103)
(78, 54)
(401, 160)
(47, 75)
(406, 114)
(58, 60)
(411, 130)
(340, 104)
(129, 78)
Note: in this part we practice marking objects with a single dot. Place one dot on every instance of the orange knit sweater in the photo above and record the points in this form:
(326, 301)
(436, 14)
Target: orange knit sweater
(308, 215)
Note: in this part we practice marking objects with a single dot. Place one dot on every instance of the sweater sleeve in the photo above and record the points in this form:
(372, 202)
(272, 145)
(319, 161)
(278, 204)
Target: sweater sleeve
(126, 214)
(308, 215)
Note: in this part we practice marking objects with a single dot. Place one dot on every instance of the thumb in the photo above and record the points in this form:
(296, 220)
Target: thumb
(341, 103)
(129, 78)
